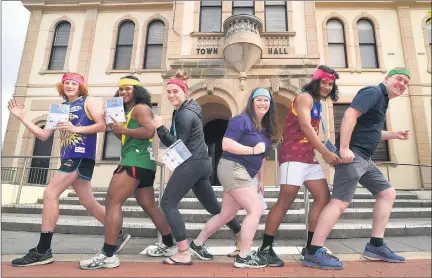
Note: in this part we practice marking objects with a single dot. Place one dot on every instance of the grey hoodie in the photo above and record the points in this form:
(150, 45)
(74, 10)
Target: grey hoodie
(187, 121)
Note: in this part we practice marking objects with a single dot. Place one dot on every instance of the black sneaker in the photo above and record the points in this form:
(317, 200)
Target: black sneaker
(251, 261)
(272, 259)
(304, 251)
(200, 251)
(34, 258)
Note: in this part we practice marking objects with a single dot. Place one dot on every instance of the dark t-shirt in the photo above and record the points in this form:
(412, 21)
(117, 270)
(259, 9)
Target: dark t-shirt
(372, 102)
(241, 129)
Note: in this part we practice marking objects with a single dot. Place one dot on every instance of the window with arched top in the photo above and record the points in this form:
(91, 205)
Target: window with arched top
(124, 45)
(59, 46)
(154, 45)
(210, 16)
(367, 44)
(337, 57)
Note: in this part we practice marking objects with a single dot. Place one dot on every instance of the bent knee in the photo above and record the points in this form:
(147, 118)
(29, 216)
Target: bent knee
(389, 194)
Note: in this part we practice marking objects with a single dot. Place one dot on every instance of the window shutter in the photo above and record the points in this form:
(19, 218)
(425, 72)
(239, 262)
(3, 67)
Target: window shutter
(368, 56)
(381, 152)
(335, 32)
(243, 7)
(153, 57)
(365, 31)
(336, 56)
(275, 17)
(154, 45)
(59, 47)
(123, 55)
(211, 18)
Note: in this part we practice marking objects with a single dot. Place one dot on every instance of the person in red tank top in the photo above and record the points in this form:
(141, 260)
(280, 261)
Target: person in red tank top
(298, 165)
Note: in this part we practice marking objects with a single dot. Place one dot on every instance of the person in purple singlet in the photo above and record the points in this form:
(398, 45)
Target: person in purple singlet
(78, 150)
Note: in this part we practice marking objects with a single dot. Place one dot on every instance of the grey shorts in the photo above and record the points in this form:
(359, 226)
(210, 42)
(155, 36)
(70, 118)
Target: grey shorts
(233, 175)
(362, 171)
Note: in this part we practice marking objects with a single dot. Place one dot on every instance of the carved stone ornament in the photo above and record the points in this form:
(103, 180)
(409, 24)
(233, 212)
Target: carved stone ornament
(275, 84)
(210, 86)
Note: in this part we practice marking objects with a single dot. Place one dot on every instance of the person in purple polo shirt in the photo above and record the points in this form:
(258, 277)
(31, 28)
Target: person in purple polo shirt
(245, 141)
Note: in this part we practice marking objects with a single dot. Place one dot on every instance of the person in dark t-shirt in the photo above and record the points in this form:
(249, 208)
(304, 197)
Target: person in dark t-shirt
(361, 131)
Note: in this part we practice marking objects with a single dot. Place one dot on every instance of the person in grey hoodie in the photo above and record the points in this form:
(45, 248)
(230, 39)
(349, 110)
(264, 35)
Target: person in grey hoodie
(192, 174)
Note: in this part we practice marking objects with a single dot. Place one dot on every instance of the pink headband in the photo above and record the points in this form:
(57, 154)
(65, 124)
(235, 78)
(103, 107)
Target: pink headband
(73, 76)
(179, 82)
(319, 74)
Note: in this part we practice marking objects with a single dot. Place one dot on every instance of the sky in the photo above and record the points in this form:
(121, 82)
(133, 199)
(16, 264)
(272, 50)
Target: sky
(13, 14)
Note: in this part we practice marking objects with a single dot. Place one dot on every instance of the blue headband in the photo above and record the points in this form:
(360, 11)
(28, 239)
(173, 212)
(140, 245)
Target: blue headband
(261, 92)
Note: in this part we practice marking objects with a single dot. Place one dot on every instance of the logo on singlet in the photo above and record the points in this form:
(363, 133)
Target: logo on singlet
(79, 150)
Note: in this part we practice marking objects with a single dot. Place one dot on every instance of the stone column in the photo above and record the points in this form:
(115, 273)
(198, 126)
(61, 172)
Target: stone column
(416, 97)
(311, 29)
(87, 40)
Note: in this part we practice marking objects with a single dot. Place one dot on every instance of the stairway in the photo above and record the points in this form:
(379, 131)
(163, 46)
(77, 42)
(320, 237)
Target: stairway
(410, 217)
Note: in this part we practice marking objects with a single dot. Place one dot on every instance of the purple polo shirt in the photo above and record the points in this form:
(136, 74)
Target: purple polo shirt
(241, 129)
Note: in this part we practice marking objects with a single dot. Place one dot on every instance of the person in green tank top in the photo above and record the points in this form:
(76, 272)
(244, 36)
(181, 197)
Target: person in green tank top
(135, 174)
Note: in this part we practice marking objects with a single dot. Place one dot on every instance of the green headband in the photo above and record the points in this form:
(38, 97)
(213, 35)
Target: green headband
(399, 71)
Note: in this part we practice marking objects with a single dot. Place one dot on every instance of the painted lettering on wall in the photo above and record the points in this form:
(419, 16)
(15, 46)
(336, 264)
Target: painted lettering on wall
(279, 50)
(209, 50)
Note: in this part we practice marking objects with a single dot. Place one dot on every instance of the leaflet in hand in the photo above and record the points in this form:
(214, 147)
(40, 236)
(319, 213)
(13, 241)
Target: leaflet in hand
(175, 155)
(330, 146)
(115, 110)
(59, 113)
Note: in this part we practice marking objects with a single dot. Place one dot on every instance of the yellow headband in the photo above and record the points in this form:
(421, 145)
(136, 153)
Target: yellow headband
(132, 82)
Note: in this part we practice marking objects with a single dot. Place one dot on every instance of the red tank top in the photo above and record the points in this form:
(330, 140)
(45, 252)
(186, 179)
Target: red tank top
(295, 145)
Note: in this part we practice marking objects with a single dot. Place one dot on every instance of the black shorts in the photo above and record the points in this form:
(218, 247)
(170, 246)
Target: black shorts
(84, 166)
(145, 176)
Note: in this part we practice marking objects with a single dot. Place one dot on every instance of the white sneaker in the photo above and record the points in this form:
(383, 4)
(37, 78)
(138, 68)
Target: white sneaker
(162, 250)
(101, 260)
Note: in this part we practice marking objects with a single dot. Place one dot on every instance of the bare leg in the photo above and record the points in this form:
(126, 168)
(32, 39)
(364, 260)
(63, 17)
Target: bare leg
(84, 191)
(321, 195)
(60, 182)
(382, 210)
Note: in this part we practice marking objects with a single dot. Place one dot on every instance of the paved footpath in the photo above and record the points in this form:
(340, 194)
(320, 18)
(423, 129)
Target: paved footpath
(412, 268)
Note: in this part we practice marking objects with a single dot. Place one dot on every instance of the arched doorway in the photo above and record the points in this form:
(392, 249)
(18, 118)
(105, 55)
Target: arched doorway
(213, 134)
(215, 119)
(39, 167)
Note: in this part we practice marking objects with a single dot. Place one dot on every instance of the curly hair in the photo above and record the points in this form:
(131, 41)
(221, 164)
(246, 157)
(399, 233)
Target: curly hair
(140, 94)
(82, 90)
(269, 121)
(314, 86)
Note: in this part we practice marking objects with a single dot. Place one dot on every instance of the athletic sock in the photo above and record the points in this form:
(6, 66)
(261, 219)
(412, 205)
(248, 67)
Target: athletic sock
(44, 242)
(168, 240)
(309, 239)
(376, 241)
(109, 249)
(267, 241)
(313, 248)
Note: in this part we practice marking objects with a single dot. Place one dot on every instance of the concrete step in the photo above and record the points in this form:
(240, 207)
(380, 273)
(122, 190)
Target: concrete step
(144, 227)
(193, 203)
(202, 216)
(273, 192)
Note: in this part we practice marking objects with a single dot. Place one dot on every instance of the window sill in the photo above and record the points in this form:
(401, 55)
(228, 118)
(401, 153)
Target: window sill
(42, 72)
(150, 70)
(120, 71)
(345, 69)
(278, 34)
(384, 70)
(207, 34)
